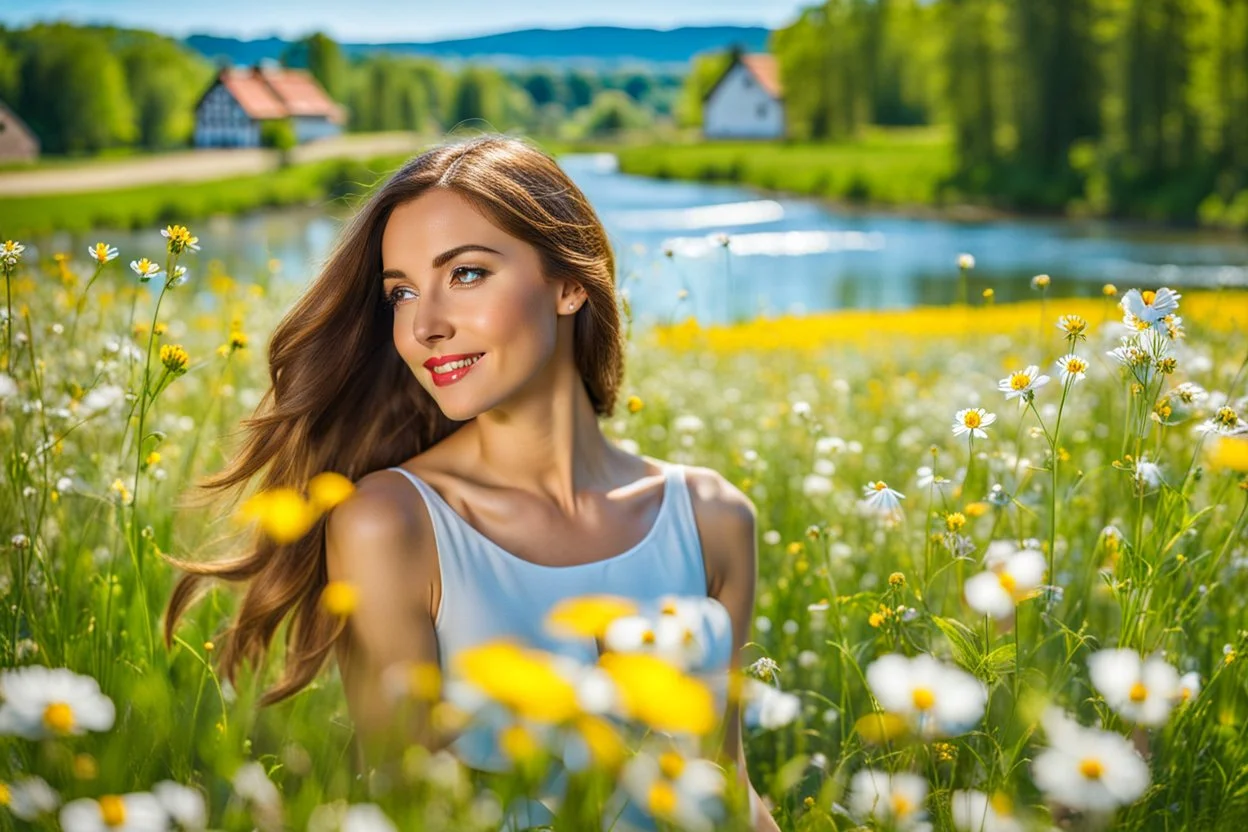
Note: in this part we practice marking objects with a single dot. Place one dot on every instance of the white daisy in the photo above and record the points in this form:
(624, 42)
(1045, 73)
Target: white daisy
(816, 485)
(769, 707)
(1022, 384)
(1224, 422)
(941, 699)
(367, 817)
(1149, 306)
(1189, 687)
(184, 805)
(1010, 579)
(1073, 367)
(44, 702)
(879, 496)
(1075, 327)
(973, 420)
(1087, 769)
(11, 253)
(974, 811)
(895, 799)
(694, 633)
(102, 252)
(926, 476)
(145, 269)
(134, 812)
(966, 261)
(32, 797)
(681, 790)
(1141, 690)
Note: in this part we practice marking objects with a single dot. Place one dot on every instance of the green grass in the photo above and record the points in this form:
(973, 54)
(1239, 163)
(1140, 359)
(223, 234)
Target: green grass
(894, 167)
(152, 205)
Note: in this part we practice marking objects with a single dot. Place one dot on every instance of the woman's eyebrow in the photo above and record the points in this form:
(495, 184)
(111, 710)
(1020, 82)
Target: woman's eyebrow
(444, 258)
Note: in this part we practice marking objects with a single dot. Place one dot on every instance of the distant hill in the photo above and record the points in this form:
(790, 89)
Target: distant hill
(582, 46)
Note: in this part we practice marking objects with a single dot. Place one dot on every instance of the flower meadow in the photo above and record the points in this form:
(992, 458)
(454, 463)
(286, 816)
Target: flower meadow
(1002, 555)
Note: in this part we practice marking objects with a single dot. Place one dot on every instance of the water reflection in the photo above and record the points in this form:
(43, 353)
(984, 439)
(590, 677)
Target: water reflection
(782, 255)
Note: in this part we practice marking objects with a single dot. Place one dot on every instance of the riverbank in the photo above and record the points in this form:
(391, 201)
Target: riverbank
(320, 174)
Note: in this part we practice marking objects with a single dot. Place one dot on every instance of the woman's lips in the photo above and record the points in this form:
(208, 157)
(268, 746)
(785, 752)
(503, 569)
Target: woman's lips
(443, 379)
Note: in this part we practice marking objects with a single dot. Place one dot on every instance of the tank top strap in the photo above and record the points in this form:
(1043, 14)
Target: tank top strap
(683, 518)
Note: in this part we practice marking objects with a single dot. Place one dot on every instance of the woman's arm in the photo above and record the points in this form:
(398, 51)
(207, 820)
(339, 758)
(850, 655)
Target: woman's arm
(727, 525)
(373, 543)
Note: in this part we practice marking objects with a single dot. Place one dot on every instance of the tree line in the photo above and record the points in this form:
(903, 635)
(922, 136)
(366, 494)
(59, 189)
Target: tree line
(1112, 107)
(88, 89)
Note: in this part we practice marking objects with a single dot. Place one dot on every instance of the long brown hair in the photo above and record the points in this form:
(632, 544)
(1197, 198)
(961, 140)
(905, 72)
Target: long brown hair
(341, 399)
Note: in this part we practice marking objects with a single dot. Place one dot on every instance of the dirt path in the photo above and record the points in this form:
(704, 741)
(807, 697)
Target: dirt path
(198, 165)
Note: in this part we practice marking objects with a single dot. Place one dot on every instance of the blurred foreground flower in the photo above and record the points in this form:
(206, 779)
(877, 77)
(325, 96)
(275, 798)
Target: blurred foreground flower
(1141, 690)
(1010, 579)
(1087, 769)
(939, 698)
(974, 811)
(42, 702)
(134, 812)
(895, 799)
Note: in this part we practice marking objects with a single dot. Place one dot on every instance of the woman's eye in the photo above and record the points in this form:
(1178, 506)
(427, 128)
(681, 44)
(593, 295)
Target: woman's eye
(394, 296)
(462, 269)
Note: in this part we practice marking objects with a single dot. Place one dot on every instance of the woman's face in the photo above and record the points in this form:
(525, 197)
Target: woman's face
(460, 286)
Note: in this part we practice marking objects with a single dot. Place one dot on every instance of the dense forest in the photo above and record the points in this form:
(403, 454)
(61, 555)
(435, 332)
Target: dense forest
(1105, 106)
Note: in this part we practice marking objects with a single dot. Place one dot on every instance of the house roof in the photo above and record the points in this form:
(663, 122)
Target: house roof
(764, 69)
(266, 93)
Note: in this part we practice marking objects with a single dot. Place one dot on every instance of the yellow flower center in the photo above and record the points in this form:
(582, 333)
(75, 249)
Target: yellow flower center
(668, 609)
(879, 486)
(647, 637)
(1138, 692)
(5, 796)
(1076, 365)
(662, 799)
(112, 810)
(1007, 582)
(1019, 381)
(971, 419)
(1149, 296)
(59, 717)
(1091, 768)
(901, 806)
(671, 764)
(1001, 803)
(923, 698)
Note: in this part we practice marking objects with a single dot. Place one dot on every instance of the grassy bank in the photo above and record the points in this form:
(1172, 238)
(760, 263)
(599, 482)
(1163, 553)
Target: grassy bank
(150, 205)
(894, 167)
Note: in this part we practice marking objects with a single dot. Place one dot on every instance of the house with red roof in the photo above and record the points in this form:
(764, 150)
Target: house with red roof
(747, 101)
(240, 100)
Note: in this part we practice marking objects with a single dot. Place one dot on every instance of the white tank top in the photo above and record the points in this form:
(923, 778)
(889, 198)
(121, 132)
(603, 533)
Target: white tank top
(488, 592)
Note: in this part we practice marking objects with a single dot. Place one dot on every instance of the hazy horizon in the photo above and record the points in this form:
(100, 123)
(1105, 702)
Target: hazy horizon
(399, 21)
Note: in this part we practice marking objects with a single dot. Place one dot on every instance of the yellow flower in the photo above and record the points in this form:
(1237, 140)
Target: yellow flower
(152, 459)
(283, 513)
(327, 489)
(989, 294)
(518, 743)
(977, 509)
(1229, 453)
(1040, 281)
(180, 239)
(897, 579)
(795, 548)
(659, 695)
(519, 678)
(424, 681)
(339, 598)
(238, 340)
(875, 619)
(174, 358)
(955, 520)
(635, 404)
(881, 728)
(1109, 290)
(85, 767)
(606, 748)
(587, 616)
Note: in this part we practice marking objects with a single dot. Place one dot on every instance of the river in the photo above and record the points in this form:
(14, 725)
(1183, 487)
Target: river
(783, 255)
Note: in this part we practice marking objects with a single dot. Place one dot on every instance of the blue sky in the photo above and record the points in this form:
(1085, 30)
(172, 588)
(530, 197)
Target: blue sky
(394, 20)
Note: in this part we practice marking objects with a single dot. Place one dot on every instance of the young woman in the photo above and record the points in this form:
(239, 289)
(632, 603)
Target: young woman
(453, 358)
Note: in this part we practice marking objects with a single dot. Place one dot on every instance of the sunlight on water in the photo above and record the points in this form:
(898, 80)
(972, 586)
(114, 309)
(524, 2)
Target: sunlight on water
(701, 216)
(779, 243)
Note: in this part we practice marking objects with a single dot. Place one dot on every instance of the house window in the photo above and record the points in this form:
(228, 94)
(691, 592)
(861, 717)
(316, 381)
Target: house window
(762, 110)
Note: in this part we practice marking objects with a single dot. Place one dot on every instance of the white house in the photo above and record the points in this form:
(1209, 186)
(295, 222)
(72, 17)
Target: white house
(230, 113)
(746, 102)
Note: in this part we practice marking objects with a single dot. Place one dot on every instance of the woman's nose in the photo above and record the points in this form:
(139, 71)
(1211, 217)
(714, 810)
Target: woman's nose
(429, 321)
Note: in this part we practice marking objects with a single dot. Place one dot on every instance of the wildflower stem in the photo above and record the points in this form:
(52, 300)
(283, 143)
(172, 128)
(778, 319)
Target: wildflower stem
(82, 299)
(8, 320)
(1057, 427)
